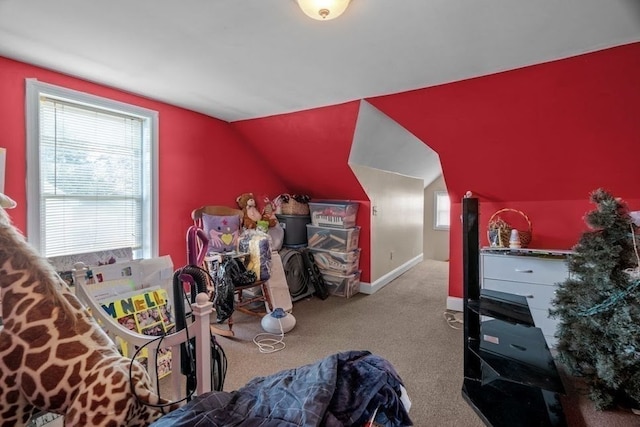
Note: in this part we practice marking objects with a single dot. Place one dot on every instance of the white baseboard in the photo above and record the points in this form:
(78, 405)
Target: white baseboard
(455, 303)
(370, 288)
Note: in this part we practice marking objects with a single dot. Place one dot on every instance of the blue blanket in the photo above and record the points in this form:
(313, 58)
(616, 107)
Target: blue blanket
(343, 389)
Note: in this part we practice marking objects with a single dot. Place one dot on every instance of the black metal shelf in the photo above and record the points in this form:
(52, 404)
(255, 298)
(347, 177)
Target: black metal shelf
(510, 377)
(508, 404)
(517, 353)
(501, 305)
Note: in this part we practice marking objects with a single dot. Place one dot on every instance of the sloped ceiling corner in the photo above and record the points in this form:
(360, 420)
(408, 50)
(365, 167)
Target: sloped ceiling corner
(380, 142)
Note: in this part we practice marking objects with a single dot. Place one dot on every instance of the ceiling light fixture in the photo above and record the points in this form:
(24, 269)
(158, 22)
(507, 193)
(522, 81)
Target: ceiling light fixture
(323, 10)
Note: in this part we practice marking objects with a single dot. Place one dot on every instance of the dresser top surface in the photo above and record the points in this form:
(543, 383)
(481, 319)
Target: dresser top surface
(538, 253)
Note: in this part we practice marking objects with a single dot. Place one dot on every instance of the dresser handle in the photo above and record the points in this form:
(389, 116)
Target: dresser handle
(523, 271)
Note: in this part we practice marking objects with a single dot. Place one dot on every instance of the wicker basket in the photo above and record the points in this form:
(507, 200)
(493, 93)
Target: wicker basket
(499, 231)
(290, 206)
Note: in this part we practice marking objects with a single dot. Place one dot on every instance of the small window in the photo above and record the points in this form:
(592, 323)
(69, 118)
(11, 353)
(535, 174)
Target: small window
(442, 210)
(91, 173)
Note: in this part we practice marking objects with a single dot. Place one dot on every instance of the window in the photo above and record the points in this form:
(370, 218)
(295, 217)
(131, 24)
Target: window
(442, 209)
(91, 173)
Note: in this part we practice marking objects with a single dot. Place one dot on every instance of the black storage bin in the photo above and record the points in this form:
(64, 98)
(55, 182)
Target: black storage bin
(295, 229)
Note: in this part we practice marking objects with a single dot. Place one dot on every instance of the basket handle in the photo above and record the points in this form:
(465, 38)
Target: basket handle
(513, 210)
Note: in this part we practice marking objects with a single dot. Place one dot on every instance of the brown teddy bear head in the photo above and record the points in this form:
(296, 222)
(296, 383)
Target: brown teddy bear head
(246, 200)
(247, 203)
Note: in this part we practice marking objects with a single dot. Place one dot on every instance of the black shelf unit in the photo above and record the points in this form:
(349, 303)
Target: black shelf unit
(510, 377)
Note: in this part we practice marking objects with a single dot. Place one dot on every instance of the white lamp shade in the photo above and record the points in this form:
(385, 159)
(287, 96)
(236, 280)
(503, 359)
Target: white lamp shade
(323, 10)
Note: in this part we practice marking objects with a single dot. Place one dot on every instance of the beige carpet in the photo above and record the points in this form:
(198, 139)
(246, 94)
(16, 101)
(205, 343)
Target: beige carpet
(404, 322)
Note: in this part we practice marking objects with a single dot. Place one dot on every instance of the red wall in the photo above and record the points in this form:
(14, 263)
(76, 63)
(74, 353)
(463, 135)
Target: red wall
(309, 149)
(310, 152)
(202, 160)
(538, 139)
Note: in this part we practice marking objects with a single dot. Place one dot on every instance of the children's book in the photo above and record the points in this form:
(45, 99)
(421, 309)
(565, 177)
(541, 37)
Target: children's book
(147, 312)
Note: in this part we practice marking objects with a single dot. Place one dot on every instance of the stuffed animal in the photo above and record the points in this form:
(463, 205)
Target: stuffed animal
(6, 202)
(53, 355)
(269, 212)
(252, 215)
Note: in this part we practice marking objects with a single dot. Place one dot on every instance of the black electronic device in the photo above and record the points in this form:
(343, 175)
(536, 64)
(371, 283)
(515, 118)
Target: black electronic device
(297, 274)
(509, 373)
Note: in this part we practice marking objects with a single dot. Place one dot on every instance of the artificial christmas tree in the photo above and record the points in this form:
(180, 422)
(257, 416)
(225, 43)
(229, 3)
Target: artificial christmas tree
(599, 306)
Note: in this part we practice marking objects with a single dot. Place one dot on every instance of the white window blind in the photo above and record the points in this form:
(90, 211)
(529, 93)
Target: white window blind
(94, 178)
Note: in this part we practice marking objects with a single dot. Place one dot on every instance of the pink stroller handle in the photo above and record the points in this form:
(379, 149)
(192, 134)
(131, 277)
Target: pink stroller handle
(193, 234)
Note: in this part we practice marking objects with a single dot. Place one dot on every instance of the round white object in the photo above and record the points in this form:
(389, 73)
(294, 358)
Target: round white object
(278, 321)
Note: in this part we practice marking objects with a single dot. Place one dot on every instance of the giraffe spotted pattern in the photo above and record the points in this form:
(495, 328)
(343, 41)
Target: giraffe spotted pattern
(54, 356)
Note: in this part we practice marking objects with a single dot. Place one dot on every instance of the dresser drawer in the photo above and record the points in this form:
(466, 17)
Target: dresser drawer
(538, 296)
(524, 269)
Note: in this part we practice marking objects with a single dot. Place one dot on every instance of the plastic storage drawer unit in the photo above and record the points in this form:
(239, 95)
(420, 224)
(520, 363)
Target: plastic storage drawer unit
(337, 262)
(342, 285)
(334, 213)
(333, 239)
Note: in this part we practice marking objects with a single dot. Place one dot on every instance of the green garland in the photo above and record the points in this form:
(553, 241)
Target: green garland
(612, 300)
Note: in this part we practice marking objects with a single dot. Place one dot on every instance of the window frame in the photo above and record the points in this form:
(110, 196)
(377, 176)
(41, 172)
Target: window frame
(436, 209)
(34, 90)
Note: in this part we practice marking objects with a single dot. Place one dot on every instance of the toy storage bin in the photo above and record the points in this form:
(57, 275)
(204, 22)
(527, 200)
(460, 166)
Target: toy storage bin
(337, 262)
(333, 239)
(294, 229)
(342, 285)
(334, 213)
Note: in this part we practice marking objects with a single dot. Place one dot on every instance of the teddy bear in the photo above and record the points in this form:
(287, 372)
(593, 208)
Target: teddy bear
(252, 215)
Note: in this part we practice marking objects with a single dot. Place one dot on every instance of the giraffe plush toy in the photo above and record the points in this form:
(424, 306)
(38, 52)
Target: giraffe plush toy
(53, 355)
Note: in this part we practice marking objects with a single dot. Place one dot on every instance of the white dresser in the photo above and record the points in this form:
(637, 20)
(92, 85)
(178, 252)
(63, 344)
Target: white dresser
(532, 273)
